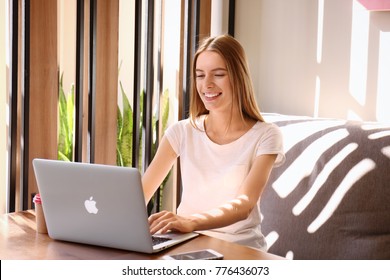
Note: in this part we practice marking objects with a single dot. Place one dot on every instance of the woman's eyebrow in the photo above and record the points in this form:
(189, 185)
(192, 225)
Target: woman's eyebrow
(213, 70)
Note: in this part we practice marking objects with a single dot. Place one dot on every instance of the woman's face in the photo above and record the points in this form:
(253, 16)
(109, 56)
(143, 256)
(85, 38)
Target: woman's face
(213, 82)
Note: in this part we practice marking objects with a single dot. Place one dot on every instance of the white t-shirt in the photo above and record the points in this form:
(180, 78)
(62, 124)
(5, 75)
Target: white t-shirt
(212, 173)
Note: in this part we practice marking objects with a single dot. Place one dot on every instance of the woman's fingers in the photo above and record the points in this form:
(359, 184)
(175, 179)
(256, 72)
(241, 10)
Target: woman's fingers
(161, 222)
(165, 221)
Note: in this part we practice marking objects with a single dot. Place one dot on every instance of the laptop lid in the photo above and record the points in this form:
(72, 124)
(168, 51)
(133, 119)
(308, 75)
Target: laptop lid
(96, 204)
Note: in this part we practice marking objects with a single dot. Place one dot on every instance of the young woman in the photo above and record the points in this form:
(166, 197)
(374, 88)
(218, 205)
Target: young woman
(226, 151)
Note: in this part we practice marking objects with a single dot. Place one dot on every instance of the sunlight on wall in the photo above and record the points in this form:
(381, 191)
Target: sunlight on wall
(305, 55)
(383, 92)
(352, 115)
(320, 30)
(359, 53)
(317, 97)
(320, 36)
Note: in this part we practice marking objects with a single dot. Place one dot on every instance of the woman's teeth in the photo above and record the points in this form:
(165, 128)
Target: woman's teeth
(210, 95)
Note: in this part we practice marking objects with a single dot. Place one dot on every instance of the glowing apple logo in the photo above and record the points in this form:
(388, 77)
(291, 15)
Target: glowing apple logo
(90, 205)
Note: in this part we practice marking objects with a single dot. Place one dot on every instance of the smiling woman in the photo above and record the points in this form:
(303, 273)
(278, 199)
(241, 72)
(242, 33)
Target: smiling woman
(226, 151)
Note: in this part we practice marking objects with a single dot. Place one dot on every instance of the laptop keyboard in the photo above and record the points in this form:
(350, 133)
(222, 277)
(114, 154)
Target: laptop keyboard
(157, 240)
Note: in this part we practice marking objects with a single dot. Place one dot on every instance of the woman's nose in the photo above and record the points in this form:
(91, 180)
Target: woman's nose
(209, 82)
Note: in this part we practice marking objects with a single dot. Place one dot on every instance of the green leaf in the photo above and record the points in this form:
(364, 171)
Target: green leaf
(62, 135)
(165, 109)
(119, 159)
(126, 142)
(119, 127)
(61, 156)
(66, 122)
(70, 119)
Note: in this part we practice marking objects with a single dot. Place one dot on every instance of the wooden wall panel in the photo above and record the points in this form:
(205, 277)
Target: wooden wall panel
(106, 81)
(43, 87)
(204, 19)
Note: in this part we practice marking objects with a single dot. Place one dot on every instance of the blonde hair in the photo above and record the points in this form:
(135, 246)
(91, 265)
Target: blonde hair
(237, 67)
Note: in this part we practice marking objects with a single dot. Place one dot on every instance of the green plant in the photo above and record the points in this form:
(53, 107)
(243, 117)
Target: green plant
(66, 121)
(124, 137)
(125, 128)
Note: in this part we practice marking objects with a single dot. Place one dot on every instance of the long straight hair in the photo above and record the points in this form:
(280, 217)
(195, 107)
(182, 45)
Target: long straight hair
(237, 67)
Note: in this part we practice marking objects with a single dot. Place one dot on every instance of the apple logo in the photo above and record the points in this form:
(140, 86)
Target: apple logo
(90, 205)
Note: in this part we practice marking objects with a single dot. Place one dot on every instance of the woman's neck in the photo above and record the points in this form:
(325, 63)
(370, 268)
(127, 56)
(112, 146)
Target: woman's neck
(226, 128)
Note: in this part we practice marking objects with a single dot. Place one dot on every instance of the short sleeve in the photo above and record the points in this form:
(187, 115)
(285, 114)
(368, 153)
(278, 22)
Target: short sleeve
(175, 134)
(271, 142)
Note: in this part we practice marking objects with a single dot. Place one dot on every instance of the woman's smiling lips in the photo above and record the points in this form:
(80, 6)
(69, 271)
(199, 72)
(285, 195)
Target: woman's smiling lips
(210, 96)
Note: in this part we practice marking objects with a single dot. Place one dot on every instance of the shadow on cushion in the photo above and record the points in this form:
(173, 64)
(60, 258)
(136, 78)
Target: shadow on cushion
(331, 198)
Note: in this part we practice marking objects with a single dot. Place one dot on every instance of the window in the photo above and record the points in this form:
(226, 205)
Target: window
(100, 52)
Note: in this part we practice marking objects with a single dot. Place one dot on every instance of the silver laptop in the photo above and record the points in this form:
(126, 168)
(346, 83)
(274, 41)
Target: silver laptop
(98, 205)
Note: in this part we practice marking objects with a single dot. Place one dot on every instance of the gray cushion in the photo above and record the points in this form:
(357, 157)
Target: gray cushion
(337, 179)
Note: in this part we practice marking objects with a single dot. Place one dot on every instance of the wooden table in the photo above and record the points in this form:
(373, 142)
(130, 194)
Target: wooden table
(19, 240)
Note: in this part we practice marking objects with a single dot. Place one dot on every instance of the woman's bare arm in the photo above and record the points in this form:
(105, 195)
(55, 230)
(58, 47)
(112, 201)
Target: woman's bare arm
(228, 213)
(158, 169)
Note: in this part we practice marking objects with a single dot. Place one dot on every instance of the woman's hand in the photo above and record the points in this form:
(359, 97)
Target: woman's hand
(165, 221)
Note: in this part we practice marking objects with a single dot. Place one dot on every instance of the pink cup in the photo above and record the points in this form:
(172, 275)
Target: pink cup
(39, 215)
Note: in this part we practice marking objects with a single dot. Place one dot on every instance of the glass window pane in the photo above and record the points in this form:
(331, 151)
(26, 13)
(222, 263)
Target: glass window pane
(125, 82)
(67, 64)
